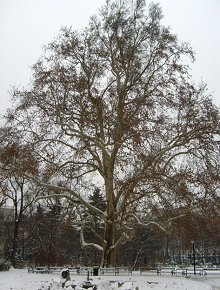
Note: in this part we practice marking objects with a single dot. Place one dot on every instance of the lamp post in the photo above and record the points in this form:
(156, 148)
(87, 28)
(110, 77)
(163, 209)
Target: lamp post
(194, 257)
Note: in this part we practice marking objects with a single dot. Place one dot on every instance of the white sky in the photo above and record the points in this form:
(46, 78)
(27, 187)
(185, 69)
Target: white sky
(27, 25)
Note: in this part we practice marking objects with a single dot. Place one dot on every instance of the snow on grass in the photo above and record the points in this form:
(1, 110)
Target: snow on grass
(16, 279)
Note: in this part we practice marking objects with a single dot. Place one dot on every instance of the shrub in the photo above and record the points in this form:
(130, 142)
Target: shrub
(4, 264)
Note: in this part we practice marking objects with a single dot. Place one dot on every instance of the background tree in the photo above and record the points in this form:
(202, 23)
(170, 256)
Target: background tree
(114, 106)
(2, 198)
(16, 188)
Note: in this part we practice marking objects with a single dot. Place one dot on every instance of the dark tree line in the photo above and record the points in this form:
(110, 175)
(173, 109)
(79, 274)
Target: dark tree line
(48, 237)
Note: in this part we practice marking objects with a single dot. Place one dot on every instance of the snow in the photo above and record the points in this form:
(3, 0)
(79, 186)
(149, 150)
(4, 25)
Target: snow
(20, 279)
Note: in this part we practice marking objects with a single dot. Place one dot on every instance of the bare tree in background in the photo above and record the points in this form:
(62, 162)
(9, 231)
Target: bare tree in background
(114, 106)
(15, 187)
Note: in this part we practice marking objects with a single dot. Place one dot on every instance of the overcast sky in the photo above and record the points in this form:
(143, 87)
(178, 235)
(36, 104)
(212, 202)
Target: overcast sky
(27, 25)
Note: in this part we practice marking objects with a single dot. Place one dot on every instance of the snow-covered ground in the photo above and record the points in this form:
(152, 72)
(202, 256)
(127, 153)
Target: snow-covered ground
(21, 280)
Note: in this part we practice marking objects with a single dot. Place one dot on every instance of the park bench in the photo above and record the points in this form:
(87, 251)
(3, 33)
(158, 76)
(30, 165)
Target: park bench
(211, 270)
(38, 270)
(46, 269)
(123, 270)
(173, 271)
(167, 270)
(181, 271)
(59, 269)
(199, 271)
(104, 271)
(159, 270)
(146, 269)
(73, 270)
(55, 269)
(85, 270)
(116, 271)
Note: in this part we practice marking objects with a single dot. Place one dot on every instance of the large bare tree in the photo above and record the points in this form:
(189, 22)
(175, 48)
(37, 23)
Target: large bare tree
(114, 106)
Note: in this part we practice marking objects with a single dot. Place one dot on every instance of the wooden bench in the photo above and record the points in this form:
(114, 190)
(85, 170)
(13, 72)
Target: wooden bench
(210, 271)
(85, 270)
(115, 271)
(174, 271)
(159, 270)
(55, 269)
(45, 269)
(199, 271)
(104, 271)
(123, 270)
(30, 269)
(177, 271)
(146, 269)
(72, 270)
(182, 271)
(42, 270)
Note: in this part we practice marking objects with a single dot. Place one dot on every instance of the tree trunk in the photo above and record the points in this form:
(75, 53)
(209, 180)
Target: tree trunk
(15, 243)
(49, 253)
(108, 255)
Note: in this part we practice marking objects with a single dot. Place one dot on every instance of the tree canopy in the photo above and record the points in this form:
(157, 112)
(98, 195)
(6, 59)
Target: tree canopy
(114, 106)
